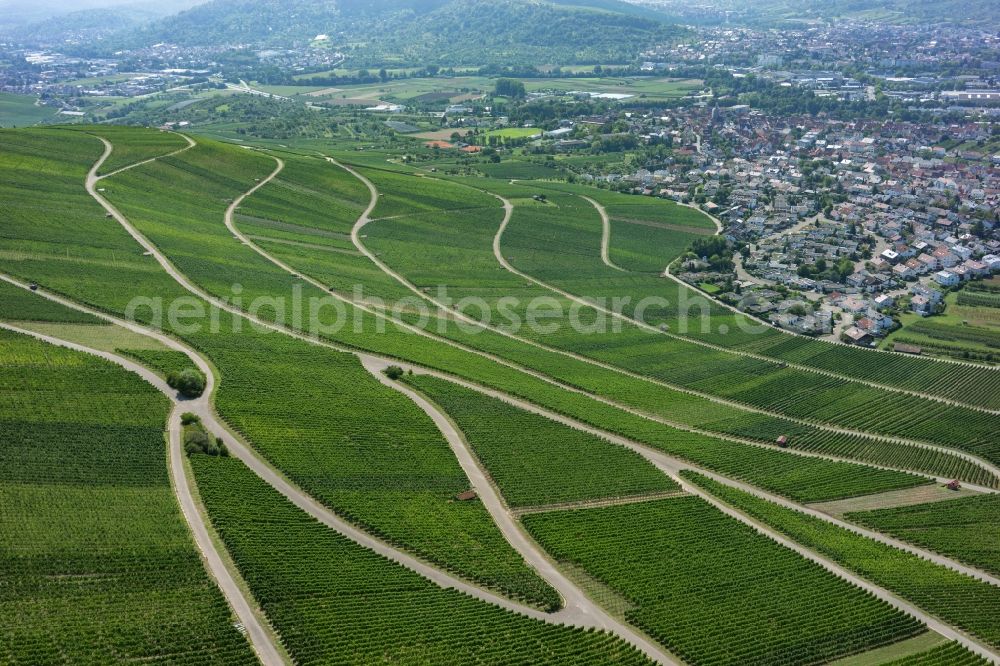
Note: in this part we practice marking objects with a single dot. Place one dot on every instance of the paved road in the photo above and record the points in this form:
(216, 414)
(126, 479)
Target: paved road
(579, 609)
(246, 609)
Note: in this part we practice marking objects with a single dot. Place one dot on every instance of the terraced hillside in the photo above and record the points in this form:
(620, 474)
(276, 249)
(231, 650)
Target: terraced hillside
(445, 475)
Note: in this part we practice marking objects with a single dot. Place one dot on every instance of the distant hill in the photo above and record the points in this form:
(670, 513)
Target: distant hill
(445, 32)
(50, 21)
(983, 13)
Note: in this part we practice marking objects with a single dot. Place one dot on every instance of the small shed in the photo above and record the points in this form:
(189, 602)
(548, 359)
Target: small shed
(783, 441)
(466, 495)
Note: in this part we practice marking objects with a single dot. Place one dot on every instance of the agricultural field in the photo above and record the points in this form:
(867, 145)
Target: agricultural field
(967, 529)
(534, 460)
(646, 87)
(683, 566)
(96, 562)
(960, 600)
(132, 146)
(515, 132)
(335, 602)
(23, 111)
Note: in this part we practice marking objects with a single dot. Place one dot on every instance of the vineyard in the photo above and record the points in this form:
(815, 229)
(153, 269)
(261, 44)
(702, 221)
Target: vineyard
(965, 602)
(16, 304)
(365, 451)
(96, 563)
(951, 654)
(981, 299)
(685, 566)
(967, 529)
(94, 580)
(133, 145)
(534, 460)
(332, 601)
(461, 251)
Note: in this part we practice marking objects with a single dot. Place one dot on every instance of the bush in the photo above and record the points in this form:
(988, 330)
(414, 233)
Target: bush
(394, 372)
(187, 418)
(190, 382)
(198, 440)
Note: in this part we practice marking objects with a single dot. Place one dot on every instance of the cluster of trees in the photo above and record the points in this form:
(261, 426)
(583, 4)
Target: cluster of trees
(714, 250)
(824, 270)
(198, 440)
(511, 88)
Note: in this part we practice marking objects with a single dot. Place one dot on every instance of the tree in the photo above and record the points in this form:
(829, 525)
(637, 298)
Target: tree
(189, 382)
(509, 88)
(394, 372)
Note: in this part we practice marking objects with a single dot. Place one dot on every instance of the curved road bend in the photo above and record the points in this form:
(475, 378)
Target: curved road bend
(190, 287)
(508, 210)
(605, 235)
(660, 458)
(661, 461)
(190, 144)
(579, 609)
(262, 640)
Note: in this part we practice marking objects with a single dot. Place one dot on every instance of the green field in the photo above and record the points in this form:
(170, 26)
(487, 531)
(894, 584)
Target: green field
(967, 529)
(537, 461)
(515, 132)
(969, 328)
(684, 567)
(651, 87)
(964, 602)
(336, 602)
(22, 111)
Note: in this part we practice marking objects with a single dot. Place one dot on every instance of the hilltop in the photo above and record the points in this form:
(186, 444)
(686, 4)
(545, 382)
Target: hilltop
(446, 32)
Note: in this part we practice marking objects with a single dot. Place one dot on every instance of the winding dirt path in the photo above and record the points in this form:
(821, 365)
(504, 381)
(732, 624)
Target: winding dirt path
(605, 235)
(262, 637)
(190, 144)
(654, 329)
(204, 408)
